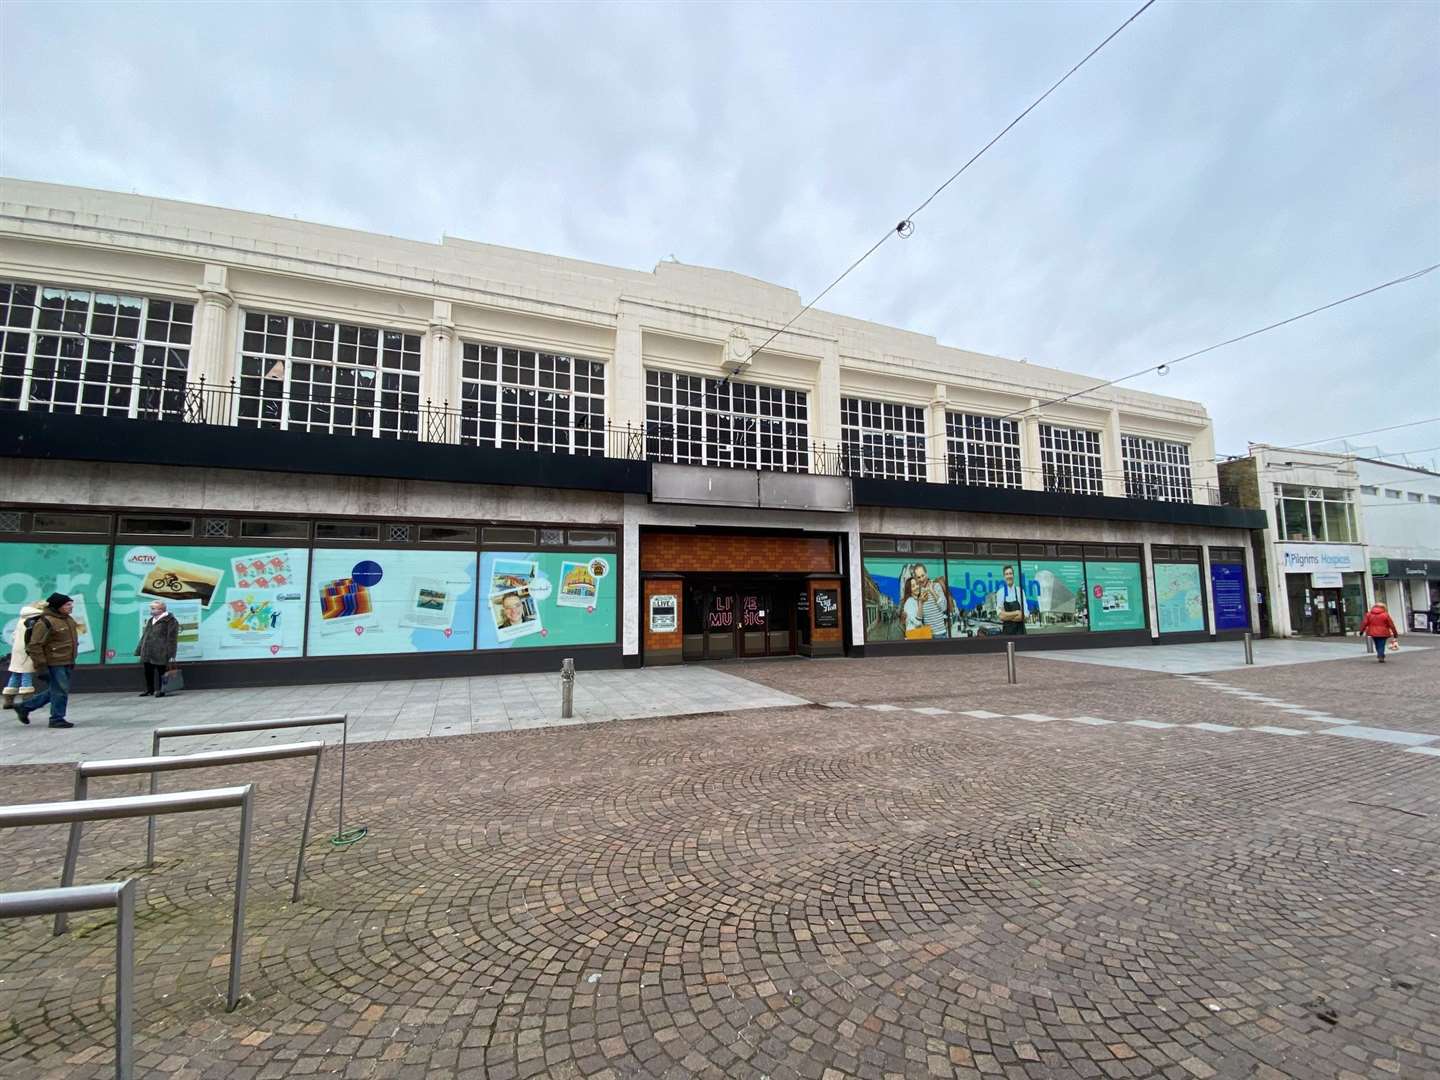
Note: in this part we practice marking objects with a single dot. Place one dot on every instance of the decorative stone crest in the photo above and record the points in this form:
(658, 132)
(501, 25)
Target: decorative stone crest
(737, 349)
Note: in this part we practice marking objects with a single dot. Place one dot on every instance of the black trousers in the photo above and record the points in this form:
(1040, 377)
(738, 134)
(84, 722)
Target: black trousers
(153, 675)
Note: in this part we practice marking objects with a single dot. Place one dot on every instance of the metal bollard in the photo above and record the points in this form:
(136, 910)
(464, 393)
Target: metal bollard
(567, 688)
(1249, 648)
(1010, 676)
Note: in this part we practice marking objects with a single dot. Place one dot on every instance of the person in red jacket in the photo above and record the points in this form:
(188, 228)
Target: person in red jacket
(1379, 628)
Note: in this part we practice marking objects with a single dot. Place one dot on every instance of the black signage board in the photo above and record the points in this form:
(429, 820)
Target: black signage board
(827, 608)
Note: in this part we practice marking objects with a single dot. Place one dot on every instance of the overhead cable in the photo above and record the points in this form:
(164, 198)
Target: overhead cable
(906, 226)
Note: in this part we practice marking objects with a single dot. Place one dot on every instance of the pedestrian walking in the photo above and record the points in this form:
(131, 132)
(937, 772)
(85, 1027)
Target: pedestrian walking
(158, 642)
(1379, 628)
(52, 641)
(20, 687)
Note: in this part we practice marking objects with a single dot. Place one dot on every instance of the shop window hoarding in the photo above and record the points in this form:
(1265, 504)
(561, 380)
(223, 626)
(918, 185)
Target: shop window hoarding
(547, 598)
(232, 603)
(1179, 602)
(31, 572)
(1115, 595)
(391, 601)
(1229, 596)
(1054, 597)
(909, 599)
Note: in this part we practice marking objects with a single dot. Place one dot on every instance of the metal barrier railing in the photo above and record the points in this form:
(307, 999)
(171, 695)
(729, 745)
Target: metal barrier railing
(189, 730)
(119, 895)
(178, 802)
(86, 770)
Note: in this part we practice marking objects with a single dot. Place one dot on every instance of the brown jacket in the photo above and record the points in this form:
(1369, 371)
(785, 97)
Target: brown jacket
(54, 641)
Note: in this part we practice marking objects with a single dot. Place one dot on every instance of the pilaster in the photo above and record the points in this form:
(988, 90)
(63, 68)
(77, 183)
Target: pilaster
(211, 358)
(1033, 476)
(440, 375)
(937, 467)
(625, 385)
(1112, 466)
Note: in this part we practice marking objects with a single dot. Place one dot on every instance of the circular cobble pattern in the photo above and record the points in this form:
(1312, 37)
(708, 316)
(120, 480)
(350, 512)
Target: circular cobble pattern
(795, 893)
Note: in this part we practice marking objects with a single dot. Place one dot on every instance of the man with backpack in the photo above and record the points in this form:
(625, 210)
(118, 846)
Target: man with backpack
(52, 640)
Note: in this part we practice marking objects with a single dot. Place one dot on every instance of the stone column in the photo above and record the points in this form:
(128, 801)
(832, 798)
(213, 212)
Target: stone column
(1252, 588)
(1033, 477)
(1207, 588)
(440, 379)
(1148, 569)
(211, 356)
(935, 445)
(825, 407)
(1111, 460)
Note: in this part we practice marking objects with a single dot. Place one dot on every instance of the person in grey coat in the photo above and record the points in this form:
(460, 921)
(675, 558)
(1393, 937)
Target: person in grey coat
(158, 643)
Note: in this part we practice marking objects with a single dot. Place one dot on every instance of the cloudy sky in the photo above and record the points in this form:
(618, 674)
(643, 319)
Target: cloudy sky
(1216, 168)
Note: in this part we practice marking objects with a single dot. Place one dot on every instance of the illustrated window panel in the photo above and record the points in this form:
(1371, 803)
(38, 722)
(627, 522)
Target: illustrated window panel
(882, 439)
(74, 350)
(1156, 469)
(1070, 460)
(982, 450)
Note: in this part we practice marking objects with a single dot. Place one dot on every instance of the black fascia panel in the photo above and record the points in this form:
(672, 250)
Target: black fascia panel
(67, 437)
(957, 498)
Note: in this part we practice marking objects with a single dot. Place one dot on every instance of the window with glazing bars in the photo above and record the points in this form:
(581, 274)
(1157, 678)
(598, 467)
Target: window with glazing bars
(527, 400)
(313, 375)
(1070, 460)
(1156, 469)
(882, 439)
(982, 450)
(94, 352)
(690, 419)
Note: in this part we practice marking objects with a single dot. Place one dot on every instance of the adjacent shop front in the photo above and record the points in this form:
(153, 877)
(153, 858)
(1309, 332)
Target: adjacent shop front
(1411, 588)
(1324, 587)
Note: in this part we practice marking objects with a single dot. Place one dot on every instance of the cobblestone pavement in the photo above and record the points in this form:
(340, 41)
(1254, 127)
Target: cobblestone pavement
(802, 892)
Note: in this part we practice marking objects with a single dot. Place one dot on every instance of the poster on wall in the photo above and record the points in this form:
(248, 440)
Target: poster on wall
(1054, 597)
(550, 598)
(31, 572)
(1228, 595)
(827, 608)
(1178, 602)
(906, 599)
(232, 603)
(1115, 596)
(391, 601)
(977, 589)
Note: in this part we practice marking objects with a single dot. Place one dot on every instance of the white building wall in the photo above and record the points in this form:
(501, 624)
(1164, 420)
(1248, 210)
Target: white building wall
(229, 262)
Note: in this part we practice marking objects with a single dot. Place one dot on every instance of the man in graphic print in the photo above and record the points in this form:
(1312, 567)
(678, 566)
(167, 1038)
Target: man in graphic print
(1011, 605)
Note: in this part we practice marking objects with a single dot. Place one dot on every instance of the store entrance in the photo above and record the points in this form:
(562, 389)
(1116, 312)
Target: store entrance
(746, 619)
(1315, 612)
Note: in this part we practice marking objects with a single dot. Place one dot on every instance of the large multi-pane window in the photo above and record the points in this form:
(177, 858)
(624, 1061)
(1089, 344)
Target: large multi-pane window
(333, 377)
(527, 400)
(1156, 469)
(982, 450)
(691, 419)
(1070, 460)
(1315, 513)
(92, 351)
(882, 439)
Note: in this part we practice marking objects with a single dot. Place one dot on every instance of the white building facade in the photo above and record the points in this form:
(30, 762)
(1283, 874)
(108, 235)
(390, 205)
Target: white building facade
(1314, 577)
(1401, 506)
(331, 449)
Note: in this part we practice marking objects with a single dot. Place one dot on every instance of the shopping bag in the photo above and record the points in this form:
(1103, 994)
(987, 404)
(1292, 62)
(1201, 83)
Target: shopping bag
(1394, 644)
(920, 633)
(172, 681)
